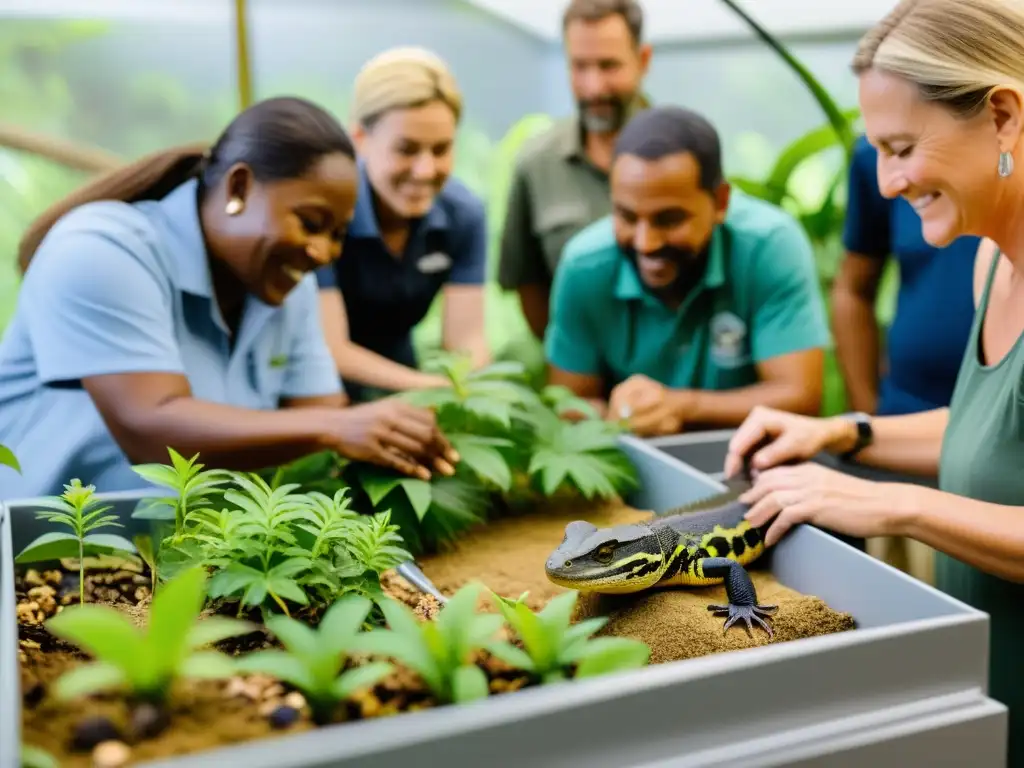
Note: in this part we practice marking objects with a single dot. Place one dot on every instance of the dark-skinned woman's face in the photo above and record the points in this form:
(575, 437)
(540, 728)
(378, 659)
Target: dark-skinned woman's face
(273, 233)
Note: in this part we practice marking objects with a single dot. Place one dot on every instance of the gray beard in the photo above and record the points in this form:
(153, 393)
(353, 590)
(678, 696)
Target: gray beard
(600, 124)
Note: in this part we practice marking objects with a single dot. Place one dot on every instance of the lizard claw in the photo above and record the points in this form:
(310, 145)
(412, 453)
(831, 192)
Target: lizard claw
(749, 613)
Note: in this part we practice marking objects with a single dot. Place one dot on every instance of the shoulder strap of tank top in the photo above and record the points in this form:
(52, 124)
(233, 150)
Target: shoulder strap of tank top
(983, 299)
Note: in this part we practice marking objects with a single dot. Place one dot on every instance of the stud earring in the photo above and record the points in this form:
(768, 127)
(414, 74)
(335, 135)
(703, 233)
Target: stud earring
(234, 207)
(1005, 164)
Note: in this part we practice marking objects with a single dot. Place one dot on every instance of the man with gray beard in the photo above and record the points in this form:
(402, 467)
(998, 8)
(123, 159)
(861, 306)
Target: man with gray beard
(560, 182)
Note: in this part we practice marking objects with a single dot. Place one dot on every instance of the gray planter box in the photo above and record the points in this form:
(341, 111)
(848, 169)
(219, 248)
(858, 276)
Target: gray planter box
(905, 688)
(705, 451)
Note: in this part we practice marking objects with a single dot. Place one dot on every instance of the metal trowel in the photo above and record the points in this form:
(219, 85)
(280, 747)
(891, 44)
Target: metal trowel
(412, 573)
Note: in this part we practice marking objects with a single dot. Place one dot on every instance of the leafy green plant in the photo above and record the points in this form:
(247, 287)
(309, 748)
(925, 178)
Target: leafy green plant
(440, 651)
(191, 486)
(553, 649)
(146, 661)
(514, 446)
(36, 757)
(267, 542)
(313, 659)
(77, 509)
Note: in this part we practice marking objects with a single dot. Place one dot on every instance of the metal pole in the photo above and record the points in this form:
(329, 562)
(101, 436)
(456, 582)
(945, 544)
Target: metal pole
(243, 71)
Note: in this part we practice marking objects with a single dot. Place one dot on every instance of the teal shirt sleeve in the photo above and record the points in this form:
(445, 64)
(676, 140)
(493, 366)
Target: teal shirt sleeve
(788, 309)
(311, 370)
(571, 341)
(94, 305)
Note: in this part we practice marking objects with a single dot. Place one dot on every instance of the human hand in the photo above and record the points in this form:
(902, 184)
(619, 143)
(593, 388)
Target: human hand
(650, 408)
(788, 436)
(811, 493)
(393, 433)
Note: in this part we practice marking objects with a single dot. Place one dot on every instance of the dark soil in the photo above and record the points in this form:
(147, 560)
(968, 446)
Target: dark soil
(107, 731)
(506, 555)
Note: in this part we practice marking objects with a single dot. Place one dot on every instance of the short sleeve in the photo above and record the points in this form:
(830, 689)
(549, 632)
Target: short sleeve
(788, 309)
(325, 277)
(311, 369)
(571, 341)
(96, 302)
(469, 251)
(520, 256)
(866, 227)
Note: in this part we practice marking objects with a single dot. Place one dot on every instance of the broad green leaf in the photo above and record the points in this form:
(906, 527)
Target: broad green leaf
(171, 617)
(485, 461)
(512, 655)
(469, 683)
(108, 543)
(345, 617)
(284, 666)
(376, 484)
(88, 679)
(207, 665)
(213, 629)
(56, 545)
(499, 370)
(8, 459)
(358, 678)
(603, 655)
(419, 494)
(101, 631)
(36, 757)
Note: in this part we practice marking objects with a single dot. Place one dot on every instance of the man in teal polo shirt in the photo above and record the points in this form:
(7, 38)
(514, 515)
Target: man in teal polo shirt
(691, 303)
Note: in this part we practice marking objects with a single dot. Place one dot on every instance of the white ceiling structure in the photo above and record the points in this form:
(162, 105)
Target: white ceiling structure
(667, 21)
(679, 21)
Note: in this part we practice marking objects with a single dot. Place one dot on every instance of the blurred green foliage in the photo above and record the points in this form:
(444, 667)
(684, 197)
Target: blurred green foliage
(43, 90)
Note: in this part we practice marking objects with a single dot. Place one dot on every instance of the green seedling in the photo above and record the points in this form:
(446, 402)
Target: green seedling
(146, 661)
(77, 509)
(552, 646)
(439, 651)
(313, 659)
(191, 487)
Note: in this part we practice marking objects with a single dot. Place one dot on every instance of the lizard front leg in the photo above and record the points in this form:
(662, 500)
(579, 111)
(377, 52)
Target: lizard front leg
(739, 588)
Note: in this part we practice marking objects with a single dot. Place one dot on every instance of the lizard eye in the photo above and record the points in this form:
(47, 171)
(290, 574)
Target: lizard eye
(604, 553)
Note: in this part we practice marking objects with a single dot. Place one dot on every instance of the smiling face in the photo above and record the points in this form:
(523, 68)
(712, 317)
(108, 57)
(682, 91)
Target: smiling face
(943, 164)
(409, 155)
(605, 70)
(664, 219)
(287, 228)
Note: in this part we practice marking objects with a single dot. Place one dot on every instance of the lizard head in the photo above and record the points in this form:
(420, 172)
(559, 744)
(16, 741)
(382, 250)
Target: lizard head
(623, 558)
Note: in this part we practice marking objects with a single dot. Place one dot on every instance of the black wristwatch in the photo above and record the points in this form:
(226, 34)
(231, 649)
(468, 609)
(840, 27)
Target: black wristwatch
(865, 434)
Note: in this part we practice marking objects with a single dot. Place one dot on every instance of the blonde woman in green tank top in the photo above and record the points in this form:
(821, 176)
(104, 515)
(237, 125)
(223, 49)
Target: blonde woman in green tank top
(941, 85)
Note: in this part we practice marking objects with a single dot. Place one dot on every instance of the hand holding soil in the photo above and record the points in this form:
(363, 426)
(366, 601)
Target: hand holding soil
(395, 434)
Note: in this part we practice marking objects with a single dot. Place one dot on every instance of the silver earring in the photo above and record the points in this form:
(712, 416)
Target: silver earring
(234, 206)
(1005, 164)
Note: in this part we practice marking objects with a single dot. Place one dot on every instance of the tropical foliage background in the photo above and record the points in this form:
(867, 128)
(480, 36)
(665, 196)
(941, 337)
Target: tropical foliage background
(129, 86)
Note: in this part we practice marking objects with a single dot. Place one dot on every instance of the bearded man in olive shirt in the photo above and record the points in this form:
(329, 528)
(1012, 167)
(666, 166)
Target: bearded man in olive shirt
(560, 182)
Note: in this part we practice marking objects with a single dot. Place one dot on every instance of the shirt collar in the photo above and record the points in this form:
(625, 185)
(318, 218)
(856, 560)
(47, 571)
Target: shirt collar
(572, 141)
(628, 285)
(364, 219)
(186, 244)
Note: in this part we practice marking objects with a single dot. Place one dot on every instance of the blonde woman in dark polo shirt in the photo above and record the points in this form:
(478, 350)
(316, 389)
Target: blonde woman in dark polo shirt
(416, 233)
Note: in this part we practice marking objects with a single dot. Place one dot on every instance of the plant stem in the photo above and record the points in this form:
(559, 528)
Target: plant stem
(81, 570)
(280, 602)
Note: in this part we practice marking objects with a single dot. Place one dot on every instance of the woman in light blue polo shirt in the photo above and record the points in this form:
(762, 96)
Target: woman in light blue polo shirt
(416, 233)
(170, 303)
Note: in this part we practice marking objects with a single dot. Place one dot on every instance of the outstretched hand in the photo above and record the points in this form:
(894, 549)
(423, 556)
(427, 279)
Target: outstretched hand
(826, 498)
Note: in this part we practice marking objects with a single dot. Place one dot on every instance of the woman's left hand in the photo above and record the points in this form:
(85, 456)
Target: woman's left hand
(823, 497)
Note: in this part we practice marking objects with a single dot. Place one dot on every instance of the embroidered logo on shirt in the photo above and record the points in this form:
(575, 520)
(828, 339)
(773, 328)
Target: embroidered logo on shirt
(434, 262)
(728, 340)
(279, 361)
